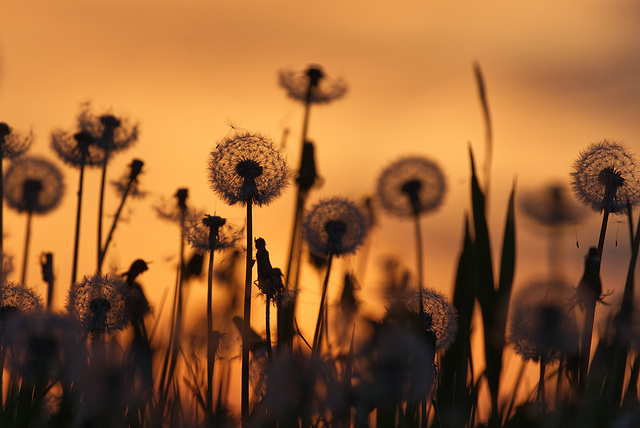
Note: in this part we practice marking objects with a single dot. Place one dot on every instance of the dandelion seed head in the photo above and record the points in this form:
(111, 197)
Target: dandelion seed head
(110, 132)
(312, 82)
(98, 303)
(441, 315)
(247, 165)
(74, 149)
(198, 229)
(551, 206)
(336, 225)
(606, 176)
(17, 299)
(13, 144)
(411, 186)
(33, 184)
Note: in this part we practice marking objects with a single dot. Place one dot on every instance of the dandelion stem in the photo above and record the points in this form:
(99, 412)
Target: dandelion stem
(603, 232)
(246, 328)
(27, 239)
(318, 331)
(76, 242)
(101, 205)
(103, 252)
(210, 353)
(1, 229)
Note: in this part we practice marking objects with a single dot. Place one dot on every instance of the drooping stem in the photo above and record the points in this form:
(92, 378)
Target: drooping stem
(317, 335)
(27, 240)
(246, 327)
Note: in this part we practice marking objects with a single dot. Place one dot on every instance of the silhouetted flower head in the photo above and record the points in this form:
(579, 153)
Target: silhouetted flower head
(206, 232)
(411, 186)
(13, 144)
(442, 317)
(541, 328)
(110, 132)
(551, 205)
(312, 85)
(33, 184)
(16, 299)
(335, 226)
(246, 165)
(40, 345)
(79, 149)
(98, 303)
(606, 176)
(129, 181)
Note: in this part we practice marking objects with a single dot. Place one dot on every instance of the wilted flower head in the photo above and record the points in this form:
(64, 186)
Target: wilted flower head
(335, 226)
(13, 144)
(606, 176)
(40, 345)
(98, 303)
(206, 232)
(441, 315)
(312, 85)
(33, 184)
(411, 186)
(110, 132)
(541, 327)
(551, 206)
(17, 299)
(246, 165)
(79, 149)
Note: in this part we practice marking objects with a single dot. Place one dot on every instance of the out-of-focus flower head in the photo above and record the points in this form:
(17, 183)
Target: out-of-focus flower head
(411, 186)
(312, 85)
(110, 132)
(541, 327)
(551, 206)
(40, 345)
(441, 315)
(206, 232)
(336, 225)
(129, 181)
(606, 176)
(98, 302)
(246, 165)
(13, 144)
(16, 299)
(77, 149)
(33, 184)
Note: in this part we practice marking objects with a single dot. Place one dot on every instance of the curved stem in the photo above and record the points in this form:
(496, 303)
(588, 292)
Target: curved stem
(27, 239)
(246, 327)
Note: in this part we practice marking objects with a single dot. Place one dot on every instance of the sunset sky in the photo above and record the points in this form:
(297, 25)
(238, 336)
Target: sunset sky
(559, 75)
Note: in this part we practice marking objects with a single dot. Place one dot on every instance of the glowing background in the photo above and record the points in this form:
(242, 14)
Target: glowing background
(558, 76)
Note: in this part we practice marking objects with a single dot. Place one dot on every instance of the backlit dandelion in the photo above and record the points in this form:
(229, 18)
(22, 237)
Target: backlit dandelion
(17, 299)
(312, 85)
(441, 316)
(334, 226)
(198, 229)
(98, 303)
(411, 186)
(77, 149)
(606, 177)
(12, 143)
(247, 165)
(33, 184)
(113, 133)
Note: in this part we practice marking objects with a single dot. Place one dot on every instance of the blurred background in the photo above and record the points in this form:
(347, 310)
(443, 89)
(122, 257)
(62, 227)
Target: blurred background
(558, 77)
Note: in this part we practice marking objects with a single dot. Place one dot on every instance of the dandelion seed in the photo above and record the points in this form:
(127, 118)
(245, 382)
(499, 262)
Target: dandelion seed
(606, 177)
(13, 144)
(312, 85)
(33, 184)
(98, 302)
(411, 186)
(441, 315)
(247, 165)
(335, 226)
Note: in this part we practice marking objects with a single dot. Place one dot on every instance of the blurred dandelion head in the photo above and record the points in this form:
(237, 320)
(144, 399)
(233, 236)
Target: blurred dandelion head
(551, 206)
(110, 132)
(98, 302)
(40, 345)
(246, 165)
(16, 299)
(541, 327)
(442, 317)
(336, 225)
(411, 186)
(128, 183)
(13, 144)
(79, 149)
(33, 184)
(312, 85)
(205, 233)
(606, 176)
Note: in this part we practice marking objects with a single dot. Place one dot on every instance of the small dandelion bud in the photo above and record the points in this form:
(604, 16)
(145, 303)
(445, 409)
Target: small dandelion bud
(182, 194)
(307, 175)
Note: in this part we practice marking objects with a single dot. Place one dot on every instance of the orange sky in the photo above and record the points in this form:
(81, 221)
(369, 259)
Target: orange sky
(558, 75)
